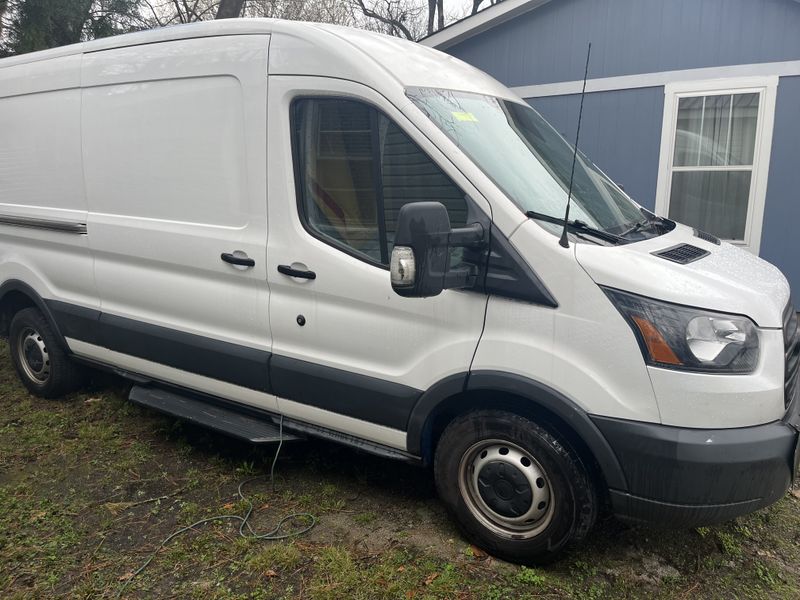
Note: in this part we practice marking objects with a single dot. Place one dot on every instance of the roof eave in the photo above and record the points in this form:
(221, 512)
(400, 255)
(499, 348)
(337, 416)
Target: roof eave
(479, 22)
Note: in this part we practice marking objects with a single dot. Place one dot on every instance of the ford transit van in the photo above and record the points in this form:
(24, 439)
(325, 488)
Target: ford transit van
(262, 222)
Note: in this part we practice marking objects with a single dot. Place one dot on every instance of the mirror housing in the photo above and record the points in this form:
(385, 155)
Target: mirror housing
(420, 262)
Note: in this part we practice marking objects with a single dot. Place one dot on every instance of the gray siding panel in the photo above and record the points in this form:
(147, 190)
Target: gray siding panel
(628, 37)
(621, 133)
(781, 229)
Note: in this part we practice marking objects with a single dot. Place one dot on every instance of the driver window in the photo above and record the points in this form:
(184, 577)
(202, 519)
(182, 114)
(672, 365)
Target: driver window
(355, 169)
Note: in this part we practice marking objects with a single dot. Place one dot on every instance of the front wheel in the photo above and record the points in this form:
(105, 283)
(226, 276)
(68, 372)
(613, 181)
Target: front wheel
(516, 488)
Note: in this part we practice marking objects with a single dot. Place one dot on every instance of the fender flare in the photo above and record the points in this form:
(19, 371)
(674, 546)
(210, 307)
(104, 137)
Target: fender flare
(15, 285)
(537, 393)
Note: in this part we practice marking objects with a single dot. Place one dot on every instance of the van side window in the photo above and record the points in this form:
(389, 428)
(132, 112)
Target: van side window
(355, 169)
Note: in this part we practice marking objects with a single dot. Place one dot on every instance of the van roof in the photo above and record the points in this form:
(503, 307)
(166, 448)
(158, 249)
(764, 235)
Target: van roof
(302, 48)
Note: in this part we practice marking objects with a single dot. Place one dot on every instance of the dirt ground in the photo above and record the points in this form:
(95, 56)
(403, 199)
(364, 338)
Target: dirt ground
(91, 485)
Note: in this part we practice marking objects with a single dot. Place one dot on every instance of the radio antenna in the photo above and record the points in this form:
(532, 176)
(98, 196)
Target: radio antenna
(563, 241)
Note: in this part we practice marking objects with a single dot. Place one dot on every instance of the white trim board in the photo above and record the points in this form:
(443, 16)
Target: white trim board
(787, 68)
(479, 22)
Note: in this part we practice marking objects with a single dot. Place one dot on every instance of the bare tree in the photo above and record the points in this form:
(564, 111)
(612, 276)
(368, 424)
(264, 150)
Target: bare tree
(432, 15)
(392, 15)
(400, 18)
(476, 4)
(3, 8)
(4, 21)
(411, 19)
(338, 12)
(160, 13)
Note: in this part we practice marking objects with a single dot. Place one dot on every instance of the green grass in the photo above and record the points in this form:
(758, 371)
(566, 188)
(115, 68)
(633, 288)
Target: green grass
(90, 485)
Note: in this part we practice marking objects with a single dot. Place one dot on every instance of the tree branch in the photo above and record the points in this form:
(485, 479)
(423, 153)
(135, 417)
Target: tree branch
(158, 20)
(393, 23)
(178, 9)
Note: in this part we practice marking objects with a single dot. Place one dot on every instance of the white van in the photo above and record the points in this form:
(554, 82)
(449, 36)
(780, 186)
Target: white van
(265, 221)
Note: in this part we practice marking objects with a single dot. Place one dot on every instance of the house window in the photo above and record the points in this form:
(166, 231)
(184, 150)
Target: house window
(715, 156)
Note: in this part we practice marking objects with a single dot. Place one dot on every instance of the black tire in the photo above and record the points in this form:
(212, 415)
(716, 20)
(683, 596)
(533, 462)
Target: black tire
(39, 359)
(470, 466)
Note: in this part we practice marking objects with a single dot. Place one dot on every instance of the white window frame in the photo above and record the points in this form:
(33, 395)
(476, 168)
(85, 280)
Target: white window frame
(767, 88)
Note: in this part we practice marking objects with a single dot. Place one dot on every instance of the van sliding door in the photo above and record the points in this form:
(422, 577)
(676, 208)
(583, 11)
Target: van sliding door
(174, 148)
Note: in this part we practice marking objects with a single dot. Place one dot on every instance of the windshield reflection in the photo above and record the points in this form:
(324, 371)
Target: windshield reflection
(529, 160)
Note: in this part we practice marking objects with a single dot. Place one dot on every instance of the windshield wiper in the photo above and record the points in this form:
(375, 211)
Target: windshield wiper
(650, 220)
(576, 225)
(638, 226)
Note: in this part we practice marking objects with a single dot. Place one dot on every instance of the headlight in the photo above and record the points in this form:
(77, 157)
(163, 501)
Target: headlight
(678, 337)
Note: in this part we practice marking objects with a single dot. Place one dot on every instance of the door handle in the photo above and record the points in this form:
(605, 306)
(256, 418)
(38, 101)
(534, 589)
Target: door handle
(287, 270)
(239, 259)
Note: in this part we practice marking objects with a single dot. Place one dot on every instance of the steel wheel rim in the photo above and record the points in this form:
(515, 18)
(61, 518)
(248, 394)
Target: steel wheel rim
(487, 472)
(33, 355)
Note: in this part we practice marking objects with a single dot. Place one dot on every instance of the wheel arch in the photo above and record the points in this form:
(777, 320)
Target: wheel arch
(16, 295)
(459, 394)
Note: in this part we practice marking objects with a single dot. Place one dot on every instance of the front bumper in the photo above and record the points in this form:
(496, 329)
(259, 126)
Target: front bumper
(690, 477)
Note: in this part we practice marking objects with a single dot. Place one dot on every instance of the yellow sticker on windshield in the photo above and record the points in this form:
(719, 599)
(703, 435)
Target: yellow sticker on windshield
(465, 116)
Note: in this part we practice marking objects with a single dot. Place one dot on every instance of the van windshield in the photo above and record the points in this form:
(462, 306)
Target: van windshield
(530, 161)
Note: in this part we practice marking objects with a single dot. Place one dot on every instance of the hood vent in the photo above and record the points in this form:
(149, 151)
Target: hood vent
(706, 236)
(683, 254)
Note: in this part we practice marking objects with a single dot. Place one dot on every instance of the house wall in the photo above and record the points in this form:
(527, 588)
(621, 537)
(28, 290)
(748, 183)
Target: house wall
(629, 37)
(621, 129)
(620, 132)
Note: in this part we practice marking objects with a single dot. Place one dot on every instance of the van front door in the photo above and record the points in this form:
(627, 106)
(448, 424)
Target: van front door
(348, 353)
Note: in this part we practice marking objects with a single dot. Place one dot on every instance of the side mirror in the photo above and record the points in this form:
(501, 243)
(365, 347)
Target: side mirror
(420, 262)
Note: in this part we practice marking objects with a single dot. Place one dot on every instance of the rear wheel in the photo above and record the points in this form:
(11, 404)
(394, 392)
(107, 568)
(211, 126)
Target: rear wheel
(40, 361)
(516, 488)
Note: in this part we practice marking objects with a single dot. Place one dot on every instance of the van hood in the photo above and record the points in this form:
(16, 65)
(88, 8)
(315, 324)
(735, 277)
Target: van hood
(728, 279)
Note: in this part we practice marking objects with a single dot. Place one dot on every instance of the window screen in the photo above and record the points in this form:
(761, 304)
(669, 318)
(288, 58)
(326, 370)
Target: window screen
(356, 169)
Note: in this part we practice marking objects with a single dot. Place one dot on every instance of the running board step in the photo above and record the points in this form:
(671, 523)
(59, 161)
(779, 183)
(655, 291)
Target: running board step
(219, 418)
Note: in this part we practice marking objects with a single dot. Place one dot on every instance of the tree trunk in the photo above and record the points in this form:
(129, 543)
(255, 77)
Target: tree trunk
(440, 10)
(229, 9)
(476, 4)
(431, 15)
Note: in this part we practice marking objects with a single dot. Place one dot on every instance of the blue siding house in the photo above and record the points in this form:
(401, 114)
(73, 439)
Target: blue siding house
(693, 106)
